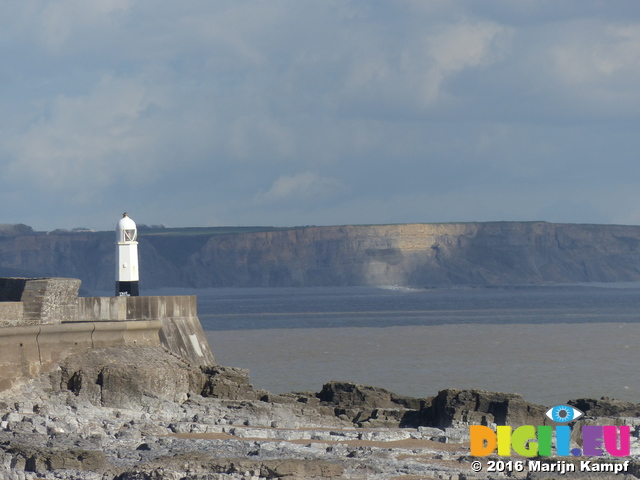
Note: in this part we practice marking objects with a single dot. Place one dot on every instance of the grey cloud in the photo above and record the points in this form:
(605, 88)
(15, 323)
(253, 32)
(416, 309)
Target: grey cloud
(282, 112)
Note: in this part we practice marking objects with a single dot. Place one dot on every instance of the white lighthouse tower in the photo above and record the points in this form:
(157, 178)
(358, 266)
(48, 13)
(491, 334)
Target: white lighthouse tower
(127, 276)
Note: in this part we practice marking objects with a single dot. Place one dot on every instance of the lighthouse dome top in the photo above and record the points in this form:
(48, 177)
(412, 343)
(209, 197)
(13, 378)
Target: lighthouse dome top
(126, 223)
(126, 231)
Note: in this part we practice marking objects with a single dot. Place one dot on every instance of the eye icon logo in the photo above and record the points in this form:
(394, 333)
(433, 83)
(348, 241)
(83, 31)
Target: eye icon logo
(563, 413)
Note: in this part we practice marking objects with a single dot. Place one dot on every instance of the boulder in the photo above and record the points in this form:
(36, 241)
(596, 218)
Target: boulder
(129, 377)
(369, 406)
(352, 395)
(451, 408)
(606, 407)
(229, 383)
(40, 460)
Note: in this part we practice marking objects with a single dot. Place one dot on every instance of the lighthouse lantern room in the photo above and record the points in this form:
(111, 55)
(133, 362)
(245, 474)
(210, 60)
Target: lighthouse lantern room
(127, 275)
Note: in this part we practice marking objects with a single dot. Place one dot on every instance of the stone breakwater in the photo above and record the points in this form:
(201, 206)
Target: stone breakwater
(42, 321)
(133, 413)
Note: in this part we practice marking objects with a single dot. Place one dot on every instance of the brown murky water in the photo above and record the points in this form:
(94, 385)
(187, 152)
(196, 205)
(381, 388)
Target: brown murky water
(548, 363)
(548, 343)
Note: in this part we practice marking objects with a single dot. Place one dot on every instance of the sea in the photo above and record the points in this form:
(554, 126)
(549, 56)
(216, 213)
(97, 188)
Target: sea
(549, 343)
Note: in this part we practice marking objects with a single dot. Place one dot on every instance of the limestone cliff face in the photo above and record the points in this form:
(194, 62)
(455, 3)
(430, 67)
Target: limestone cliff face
(408, 254)
(421, 255)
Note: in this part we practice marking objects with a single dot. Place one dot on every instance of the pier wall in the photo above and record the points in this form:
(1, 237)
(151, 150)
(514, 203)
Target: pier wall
(43, 321)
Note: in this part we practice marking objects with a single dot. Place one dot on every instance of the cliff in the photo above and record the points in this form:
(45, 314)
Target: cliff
(407, 254)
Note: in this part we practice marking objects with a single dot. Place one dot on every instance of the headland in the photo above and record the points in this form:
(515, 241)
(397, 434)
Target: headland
(415, 255)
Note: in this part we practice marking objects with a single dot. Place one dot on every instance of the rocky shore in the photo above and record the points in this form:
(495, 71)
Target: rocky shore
(144, 414)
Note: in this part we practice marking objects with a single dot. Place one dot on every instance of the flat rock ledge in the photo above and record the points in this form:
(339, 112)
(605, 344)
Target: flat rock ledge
(141, 413)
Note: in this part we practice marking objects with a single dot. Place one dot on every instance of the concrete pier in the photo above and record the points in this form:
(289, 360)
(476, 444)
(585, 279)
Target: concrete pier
(43, 321)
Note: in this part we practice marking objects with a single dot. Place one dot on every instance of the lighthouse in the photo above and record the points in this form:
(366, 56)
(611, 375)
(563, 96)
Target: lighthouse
(127, 276)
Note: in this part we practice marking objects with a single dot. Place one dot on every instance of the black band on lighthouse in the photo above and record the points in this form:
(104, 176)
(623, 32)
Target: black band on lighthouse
(127, 289)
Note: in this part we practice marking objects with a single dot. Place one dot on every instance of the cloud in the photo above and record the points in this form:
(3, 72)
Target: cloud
(599, 63)
(301, 187)
(465, 45)
(94, 140)
(410, 76)
(282, 112)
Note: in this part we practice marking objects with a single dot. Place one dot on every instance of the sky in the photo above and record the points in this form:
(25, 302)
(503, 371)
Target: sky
(318, 112)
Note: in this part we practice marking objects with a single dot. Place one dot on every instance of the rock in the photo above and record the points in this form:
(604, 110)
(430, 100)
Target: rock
(369, 406)
(606, 407)
(343, 394)
(579, 475)
(200, 464)
(453, 407)
(129, 377)
(236, 433)
(41, 460)
(228, 382)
